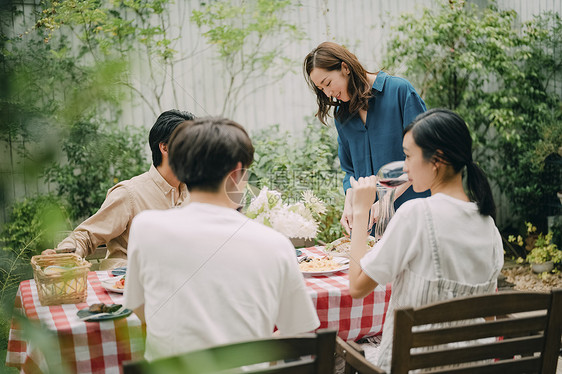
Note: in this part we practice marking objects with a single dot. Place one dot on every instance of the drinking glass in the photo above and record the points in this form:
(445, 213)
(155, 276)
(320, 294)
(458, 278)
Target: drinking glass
(389, 176)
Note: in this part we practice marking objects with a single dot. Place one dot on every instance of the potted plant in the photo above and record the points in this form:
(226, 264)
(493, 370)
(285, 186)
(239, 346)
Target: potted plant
(544, 254)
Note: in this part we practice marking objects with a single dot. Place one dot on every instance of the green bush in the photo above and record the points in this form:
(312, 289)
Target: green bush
(5, 323)
(533, 137)
(30, 229)
(473, 61)
(557, 232)
(292, 164)
(96, 158)
(32, 223)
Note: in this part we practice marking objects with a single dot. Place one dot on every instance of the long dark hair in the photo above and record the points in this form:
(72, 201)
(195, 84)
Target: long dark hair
(443, 135)
(329, 56)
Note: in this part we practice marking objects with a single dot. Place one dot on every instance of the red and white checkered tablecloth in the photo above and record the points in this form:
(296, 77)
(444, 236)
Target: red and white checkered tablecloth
(83, 347)
(102, 347)
(354, 318)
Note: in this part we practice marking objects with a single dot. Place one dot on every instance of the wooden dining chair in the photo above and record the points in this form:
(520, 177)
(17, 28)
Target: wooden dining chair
(303, 354)
(354, 358)
(525, 334)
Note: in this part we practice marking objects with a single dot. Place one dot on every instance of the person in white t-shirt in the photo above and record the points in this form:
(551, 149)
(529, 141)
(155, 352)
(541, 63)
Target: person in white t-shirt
(433, 249)
(205, 274)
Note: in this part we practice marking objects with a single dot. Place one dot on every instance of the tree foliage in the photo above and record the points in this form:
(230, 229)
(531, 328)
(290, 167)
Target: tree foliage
(499, 79)
(96, 158)
(137, 31)
(250, 37)
(108, 27)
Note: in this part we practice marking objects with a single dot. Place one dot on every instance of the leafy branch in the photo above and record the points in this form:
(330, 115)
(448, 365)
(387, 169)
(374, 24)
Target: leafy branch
(248, 36)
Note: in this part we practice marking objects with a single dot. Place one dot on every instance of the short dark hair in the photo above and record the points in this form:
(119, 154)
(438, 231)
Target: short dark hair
(203, 151)
(162, 130)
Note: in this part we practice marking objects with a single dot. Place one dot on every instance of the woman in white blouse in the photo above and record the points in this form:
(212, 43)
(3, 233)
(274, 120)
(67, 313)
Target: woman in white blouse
(436, 248)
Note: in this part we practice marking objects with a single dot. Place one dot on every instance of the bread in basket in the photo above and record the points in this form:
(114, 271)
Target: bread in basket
(61, 278)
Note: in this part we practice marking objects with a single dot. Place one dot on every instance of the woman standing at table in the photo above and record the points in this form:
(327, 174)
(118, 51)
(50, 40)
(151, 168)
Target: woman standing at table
(433, 249)
(370, 111)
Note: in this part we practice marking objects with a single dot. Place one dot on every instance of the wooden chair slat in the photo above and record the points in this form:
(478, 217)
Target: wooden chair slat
(288, 369)
(506, 327)
(402, 342)
(234, 355)
(531, 343)
(325, 350)
(144, 368)
(482, 306)
(499, 349)
(552, 340)
(320, 345)
(514, 366)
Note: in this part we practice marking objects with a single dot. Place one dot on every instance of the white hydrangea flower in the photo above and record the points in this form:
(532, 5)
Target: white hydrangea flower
(264, 202)
(313, 203)
(292, 224)
(294, 221)
(274, 199)
(261, 218)
(301, 209)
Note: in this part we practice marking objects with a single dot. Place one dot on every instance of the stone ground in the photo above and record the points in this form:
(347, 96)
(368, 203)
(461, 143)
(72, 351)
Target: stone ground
(521, 278)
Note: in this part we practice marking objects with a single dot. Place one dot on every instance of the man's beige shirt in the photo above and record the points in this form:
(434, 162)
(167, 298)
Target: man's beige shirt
(111, 223)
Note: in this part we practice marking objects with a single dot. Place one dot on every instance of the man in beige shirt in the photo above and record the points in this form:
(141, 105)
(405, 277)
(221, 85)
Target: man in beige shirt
(158, 188)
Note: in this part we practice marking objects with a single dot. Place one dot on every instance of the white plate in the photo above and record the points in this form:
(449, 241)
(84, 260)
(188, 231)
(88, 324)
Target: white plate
(342, 247)
(109, 284)
(343, 260)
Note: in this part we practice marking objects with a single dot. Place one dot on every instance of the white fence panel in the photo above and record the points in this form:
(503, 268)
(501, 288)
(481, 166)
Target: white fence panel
(196, 82)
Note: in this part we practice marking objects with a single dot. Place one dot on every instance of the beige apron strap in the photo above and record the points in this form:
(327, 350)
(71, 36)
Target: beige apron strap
(432, 240)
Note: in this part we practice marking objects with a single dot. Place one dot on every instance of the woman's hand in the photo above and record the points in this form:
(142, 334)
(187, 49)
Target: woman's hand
(347, 214)
(49, 252)
(364, 193)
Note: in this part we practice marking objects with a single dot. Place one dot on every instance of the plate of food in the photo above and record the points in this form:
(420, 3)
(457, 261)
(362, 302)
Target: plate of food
(103, 312)
(342, 246)
(323, 265)
(114, 284)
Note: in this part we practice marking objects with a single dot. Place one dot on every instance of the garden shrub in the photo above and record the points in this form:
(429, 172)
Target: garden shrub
(557, 232)
(292, 164)
(96, 158)
(473, 61)
(530, 146)
(31, 223)
(30, 229)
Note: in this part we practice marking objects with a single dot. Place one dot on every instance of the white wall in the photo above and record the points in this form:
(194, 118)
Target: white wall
(362, 25)
(198, 83)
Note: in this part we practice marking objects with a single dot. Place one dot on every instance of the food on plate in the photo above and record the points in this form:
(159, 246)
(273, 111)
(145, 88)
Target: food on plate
(325, 263)
(104, 308)
(96, 308)
(342, 246)
(120, 284)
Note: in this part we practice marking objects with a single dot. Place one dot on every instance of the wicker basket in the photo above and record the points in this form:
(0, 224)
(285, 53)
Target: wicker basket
(59, 285)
